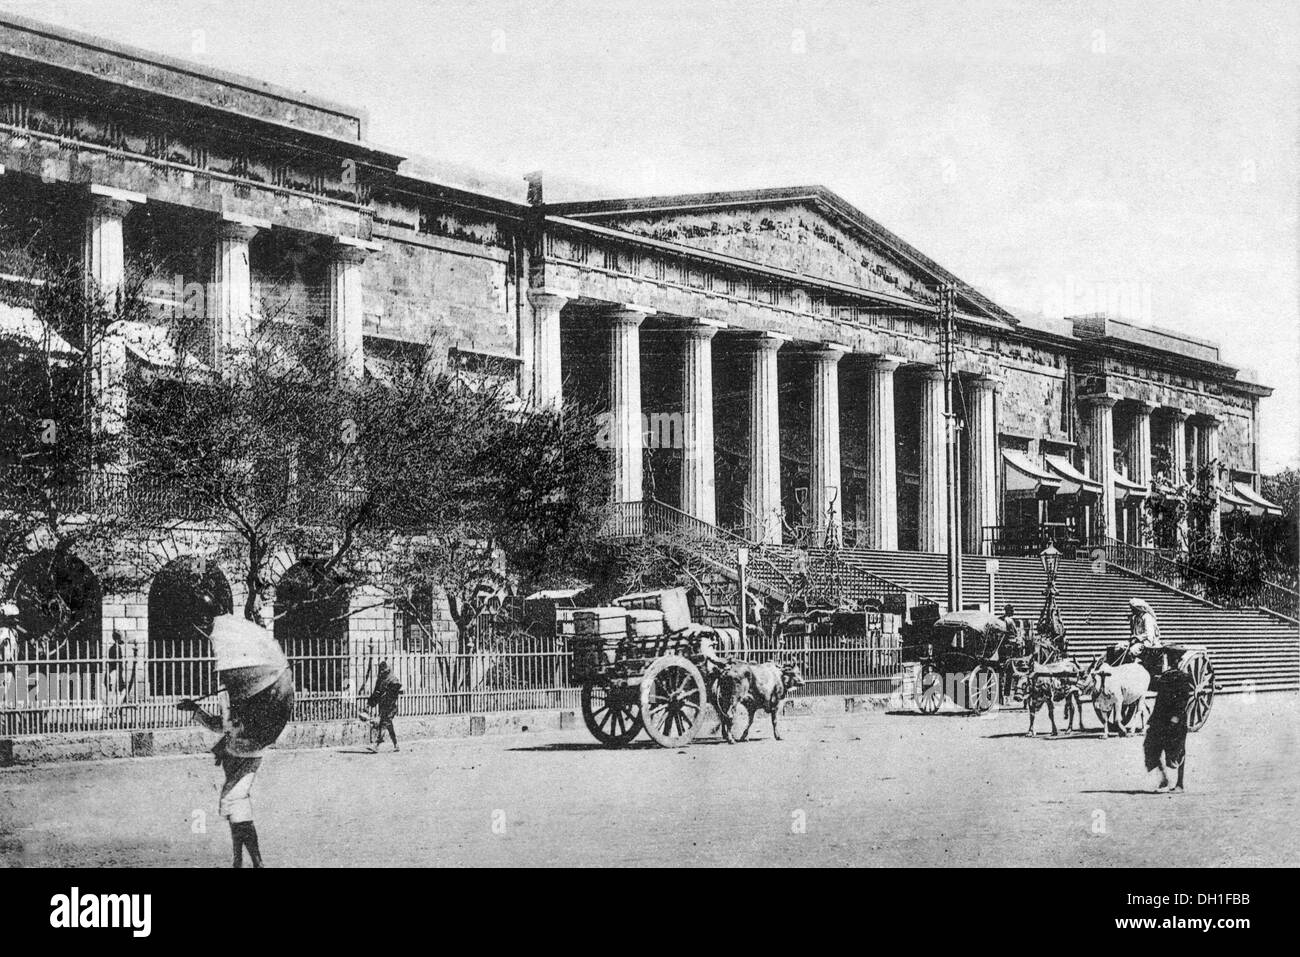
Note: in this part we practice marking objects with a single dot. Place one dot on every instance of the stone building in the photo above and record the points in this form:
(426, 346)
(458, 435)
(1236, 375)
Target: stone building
(767, 357)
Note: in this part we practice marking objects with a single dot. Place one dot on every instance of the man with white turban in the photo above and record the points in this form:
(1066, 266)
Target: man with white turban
(1143, 629)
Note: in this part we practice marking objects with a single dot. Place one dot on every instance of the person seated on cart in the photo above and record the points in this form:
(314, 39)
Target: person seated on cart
(1143, 631)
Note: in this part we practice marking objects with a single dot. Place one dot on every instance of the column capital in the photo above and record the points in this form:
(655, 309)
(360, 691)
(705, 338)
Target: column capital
(629, 315)
(985, 381)
(884, 363)
(1179, 414)
(701, 329)
(766, 341)
(349, 249)
(1101, 400)
(110, 201)
(546, 299)
(1145, 406)
(241, 227)
(930, 373)
(829, 351)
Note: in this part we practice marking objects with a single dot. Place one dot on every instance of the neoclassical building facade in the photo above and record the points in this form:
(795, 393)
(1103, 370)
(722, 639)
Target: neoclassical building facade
(766, 358)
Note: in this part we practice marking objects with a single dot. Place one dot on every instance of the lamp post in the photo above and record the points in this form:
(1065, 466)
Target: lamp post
(1050, 625)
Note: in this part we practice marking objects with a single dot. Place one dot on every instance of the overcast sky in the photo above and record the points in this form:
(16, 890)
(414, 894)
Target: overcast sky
(1141, 157)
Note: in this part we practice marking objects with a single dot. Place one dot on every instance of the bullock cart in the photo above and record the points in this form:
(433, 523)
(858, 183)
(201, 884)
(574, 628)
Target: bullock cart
(1192, 660)
(644, 664)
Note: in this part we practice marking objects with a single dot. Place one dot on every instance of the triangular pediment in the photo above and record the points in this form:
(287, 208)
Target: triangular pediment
(809, 231)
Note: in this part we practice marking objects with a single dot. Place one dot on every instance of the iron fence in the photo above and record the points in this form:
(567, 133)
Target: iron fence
(85, 688)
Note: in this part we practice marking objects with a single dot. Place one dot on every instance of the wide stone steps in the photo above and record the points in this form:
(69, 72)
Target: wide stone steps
(1249, 649)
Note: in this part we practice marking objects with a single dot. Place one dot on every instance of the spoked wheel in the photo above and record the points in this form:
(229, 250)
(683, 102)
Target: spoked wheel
(673, 696)
(1199, 669)
(982, 689)
(929, 691)
(612, 715)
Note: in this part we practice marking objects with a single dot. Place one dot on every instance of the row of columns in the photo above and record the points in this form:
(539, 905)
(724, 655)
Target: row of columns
(230, 304)
(1099, 412)
(762, 495)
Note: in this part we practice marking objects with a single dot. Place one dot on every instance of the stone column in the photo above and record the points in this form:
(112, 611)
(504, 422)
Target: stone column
(697, 488)
(982, 493)
(626, 433)
(1140, 465)
(933, 512)
(881, 530)
(1178, 465)
(1210, 456)
(344, 307)
(1101, 454)
(230, 310)
(104, 257)
(544, 378)
(824, 440)
(763, 488)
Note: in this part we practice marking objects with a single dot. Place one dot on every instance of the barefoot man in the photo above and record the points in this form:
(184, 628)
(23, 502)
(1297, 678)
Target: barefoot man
(259, 685)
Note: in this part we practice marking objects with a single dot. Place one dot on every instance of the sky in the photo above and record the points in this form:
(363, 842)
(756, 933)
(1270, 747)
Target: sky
(1063, 157)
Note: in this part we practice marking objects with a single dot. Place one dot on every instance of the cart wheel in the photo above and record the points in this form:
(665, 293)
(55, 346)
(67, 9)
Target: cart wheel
(613, 719)
(929, 691)
(672, 700)
(982, 689)
(1199, 669)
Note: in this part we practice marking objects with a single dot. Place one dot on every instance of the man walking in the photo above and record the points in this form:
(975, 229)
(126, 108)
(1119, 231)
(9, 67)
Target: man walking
(383, 704)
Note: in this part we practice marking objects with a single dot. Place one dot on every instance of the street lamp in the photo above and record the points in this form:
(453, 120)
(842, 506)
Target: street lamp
(1050, 625)
(1050, 558)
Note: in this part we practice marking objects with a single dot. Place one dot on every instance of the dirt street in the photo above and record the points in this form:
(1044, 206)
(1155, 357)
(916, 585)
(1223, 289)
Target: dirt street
(859, 789)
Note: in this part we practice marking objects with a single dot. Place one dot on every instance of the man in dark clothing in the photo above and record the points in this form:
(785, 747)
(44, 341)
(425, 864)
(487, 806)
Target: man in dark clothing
(1165, 745)
(383, 705)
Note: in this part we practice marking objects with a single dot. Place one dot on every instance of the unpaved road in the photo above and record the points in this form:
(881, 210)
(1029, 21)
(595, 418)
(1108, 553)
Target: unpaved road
(861, 789)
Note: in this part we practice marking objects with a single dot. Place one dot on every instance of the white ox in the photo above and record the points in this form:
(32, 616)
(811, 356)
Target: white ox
(1114, 687)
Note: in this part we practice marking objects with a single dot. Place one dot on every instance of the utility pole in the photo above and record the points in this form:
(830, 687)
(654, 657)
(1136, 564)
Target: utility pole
(948, 337)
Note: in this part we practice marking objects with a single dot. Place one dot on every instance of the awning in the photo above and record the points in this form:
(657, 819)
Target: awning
(1259, 504)
(1025, 479)
(1073, 482)
(1230, 502)
(19, 324)
(1125, 490)
(153, 346)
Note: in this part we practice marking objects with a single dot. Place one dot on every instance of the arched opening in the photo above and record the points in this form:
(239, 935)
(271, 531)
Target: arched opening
(60, 608)
(311, 625)
(184, 597)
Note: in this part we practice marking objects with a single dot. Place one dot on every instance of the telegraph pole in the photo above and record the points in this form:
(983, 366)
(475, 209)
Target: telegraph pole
(948, 337)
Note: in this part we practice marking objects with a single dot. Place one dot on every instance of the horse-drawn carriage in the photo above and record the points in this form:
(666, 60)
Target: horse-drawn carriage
(644, 663)
(963, 656)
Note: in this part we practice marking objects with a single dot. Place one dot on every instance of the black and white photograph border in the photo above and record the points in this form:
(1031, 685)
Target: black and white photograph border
(457, 435)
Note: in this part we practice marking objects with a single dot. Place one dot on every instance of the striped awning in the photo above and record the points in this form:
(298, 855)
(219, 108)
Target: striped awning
(1073, 482)
(1259, 505)
(1230, 502)
(1025, 478)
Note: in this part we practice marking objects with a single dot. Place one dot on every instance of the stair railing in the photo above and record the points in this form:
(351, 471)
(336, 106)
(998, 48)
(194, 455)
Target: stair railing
(1148, 563)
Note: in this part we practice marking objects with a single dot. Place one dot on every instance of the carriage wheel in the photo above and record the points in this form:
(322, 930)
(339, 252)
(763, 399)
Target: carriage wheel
(982, 689)
(929, 691)
(673, 696)
(1199, 669)
(613, 718)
